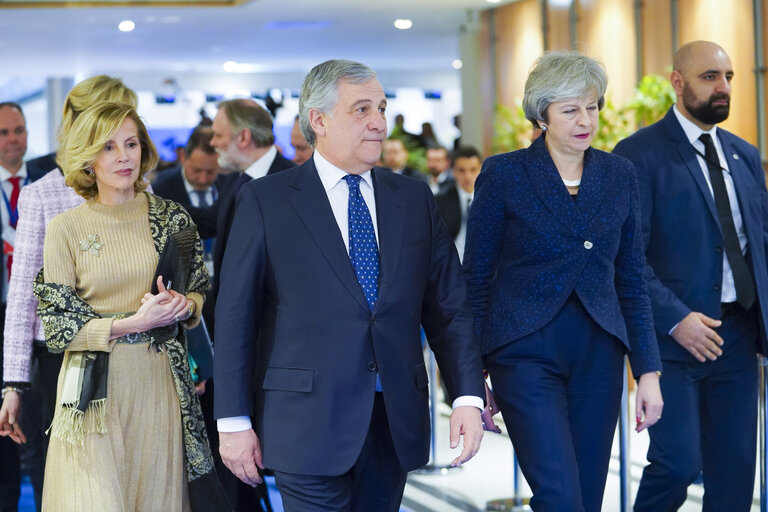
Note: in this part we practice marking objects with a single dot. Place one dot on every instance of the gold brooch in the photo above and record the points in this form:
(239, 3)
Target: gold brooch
(92, 245)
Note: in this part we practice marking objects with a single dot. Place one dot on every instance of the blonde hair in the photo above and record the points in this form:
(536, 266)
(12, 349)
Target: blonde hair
(90, 92)
(87, 138)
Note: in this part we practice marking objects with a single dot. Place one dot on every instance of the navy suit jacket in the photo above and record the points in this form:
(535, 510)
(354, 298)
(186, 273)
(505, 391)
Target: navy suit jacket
(448, 201)
(530, 245)
(297, 344)
(681, 230)
(170, 185)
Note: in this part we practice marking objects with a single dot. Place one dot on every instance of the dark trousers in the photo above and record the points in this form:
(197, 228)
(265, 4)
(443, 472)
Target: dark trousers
(10, 471)
(559, 391)
(709, 423)
(374, 484)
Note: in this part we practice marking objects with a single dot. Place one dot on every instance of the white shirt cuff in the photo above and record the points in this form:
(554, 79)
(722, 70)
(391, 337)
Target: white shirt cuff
(468, 400)
(673, 328)
(234, 424)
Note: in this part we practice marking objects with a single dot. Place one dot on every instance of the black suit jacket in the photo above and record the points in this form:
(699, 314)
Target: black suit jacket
(170, 185)
(297, 339)
(450, 208)
(228, 194)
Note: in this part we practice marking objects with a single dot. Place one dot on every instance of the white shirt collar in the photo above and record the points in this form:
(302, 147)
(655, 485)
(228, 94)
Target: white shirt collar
(330, 175)
(693, 132)
(260, 167)
(5, 173)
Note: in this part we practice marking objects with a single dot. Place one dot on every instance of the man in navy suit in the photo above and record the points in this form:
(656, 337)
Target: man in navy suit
(191, 184)
(244, 140)
(395, 156)
(330, 270)
(454, 201)
(705, 214)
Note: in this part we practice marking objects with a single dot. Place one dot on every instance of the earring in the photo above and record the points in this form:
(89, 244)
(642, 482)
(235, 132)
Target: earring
(543, 127)
(89, 172)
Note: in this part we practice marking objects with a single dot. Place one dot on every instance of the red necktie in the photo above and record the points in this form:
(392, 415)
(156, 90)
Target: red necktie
(13, 213)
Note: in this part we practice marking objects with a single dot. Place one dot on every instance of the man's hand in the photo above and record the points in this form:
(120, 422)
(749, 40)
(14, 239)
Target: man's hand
(9, 417)
(648, 402)
(465, 420)
(241, 453)
(696, 334)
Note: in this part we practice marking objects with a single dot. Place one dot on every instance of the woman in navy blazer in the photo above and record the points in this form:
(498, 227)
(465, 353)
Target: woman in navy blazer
(554, 262)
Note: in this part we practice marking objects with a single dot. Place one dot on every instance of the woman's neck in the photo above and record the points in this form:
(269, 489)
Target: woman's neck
(115, 197)
(570, 166)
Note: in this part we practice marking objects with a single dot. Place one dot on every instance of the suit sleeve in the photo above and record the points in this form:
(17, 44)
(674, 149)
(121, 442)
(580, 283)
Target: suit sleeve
(668, 309)
(485, 233)
(632, 291)
(20, 317)
(239, 308)
(446, 314)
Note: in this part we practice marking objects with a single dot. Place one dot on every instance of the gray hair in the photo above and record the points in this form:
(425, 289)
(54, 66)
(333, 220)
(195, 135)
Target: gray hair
(560, 76)
(244, 114)
(320, 90)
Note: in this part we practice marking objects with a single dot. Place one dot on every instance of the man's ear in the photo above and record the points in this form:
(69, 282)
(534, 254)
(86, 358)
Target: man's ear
(317, 122)
(243, 138)
(677, 81)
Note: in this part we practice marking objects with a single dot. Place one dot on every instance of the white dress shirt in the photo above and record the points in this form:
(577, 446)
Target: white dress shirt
(337, 190)
(465, 198)
(260, 167)
(693, 132)
(194, 199)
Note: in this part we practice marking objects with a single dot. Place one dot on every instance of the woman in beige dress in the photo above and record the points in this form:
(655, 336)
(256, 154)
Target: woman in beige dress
(127, 434)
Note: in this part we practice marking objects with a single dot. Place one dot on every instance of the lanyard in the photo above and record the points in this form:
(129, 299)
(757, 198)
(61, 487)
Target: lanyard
(13, 213)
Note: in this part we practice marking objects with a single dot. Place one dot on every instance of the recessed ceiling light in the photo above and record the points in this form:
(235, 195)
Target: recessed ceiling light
(126, 26)
(493, 1)
(457, 64)
(403, 24)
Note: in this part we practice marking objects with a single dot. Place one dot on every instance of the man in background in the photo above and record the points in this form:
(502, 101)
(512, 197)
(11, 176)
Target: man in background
(438, 168)
(302, 149)
(395, 156)
(455, 199)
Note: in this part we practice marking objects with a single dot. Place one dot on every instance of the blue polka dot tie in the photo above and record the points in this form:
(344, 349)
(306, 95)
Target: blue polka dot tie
(363, 251)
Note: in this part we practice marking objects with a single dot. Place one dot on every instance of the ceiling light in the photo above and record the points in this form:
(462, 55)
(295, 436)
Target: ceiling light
(493, 1)
(230, 66)
(126, 26)
(403, 24)
(457, 64)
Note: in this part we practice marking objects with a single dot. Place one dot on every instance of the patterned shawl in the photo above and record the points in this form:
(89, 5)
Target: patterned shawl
(64, 313)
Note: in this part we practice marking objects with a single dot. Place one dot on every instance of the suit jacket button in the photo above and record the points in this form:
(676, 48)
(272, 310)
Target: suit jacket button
(719, 248)
(717, 287)
(587, 244)
(371, 366)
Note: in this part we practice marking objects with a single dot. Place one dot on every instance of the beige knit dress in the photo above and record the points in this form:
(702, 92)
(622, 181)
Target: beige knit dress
(138, 464)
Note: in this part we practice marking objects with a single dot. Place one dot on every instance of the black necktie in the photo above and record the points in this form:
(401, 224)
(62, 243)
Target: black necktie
(742, 276)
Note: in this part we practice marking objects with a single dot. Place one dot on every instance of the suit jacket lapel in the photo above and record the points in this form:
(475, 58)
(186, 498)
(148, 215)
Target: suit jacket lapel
(594, 186)
(311, 203)
(688, 156)
(550, 189)
(736, 170)
(390, 218)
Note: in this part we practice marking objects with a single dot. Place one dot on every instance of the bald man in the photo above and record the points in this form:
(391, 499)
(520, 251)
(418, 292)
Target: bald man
(704, 215)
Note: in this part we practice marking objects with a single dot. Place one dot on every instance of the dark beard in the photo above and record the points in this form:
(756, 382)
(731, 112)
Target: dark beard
(706, 112)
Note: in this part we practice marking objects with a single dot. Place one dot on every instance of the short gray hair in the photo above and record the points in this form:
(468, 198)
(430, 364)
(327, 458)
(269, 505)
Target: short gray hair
(245, 114)
(560, 76)
(320, 90)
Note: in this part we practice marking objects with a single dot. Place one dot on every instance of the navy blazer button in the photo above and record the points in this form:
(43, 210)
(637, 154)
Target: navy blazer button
(717, 287)
(588, 245)
(371, 366)
(719, 248)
